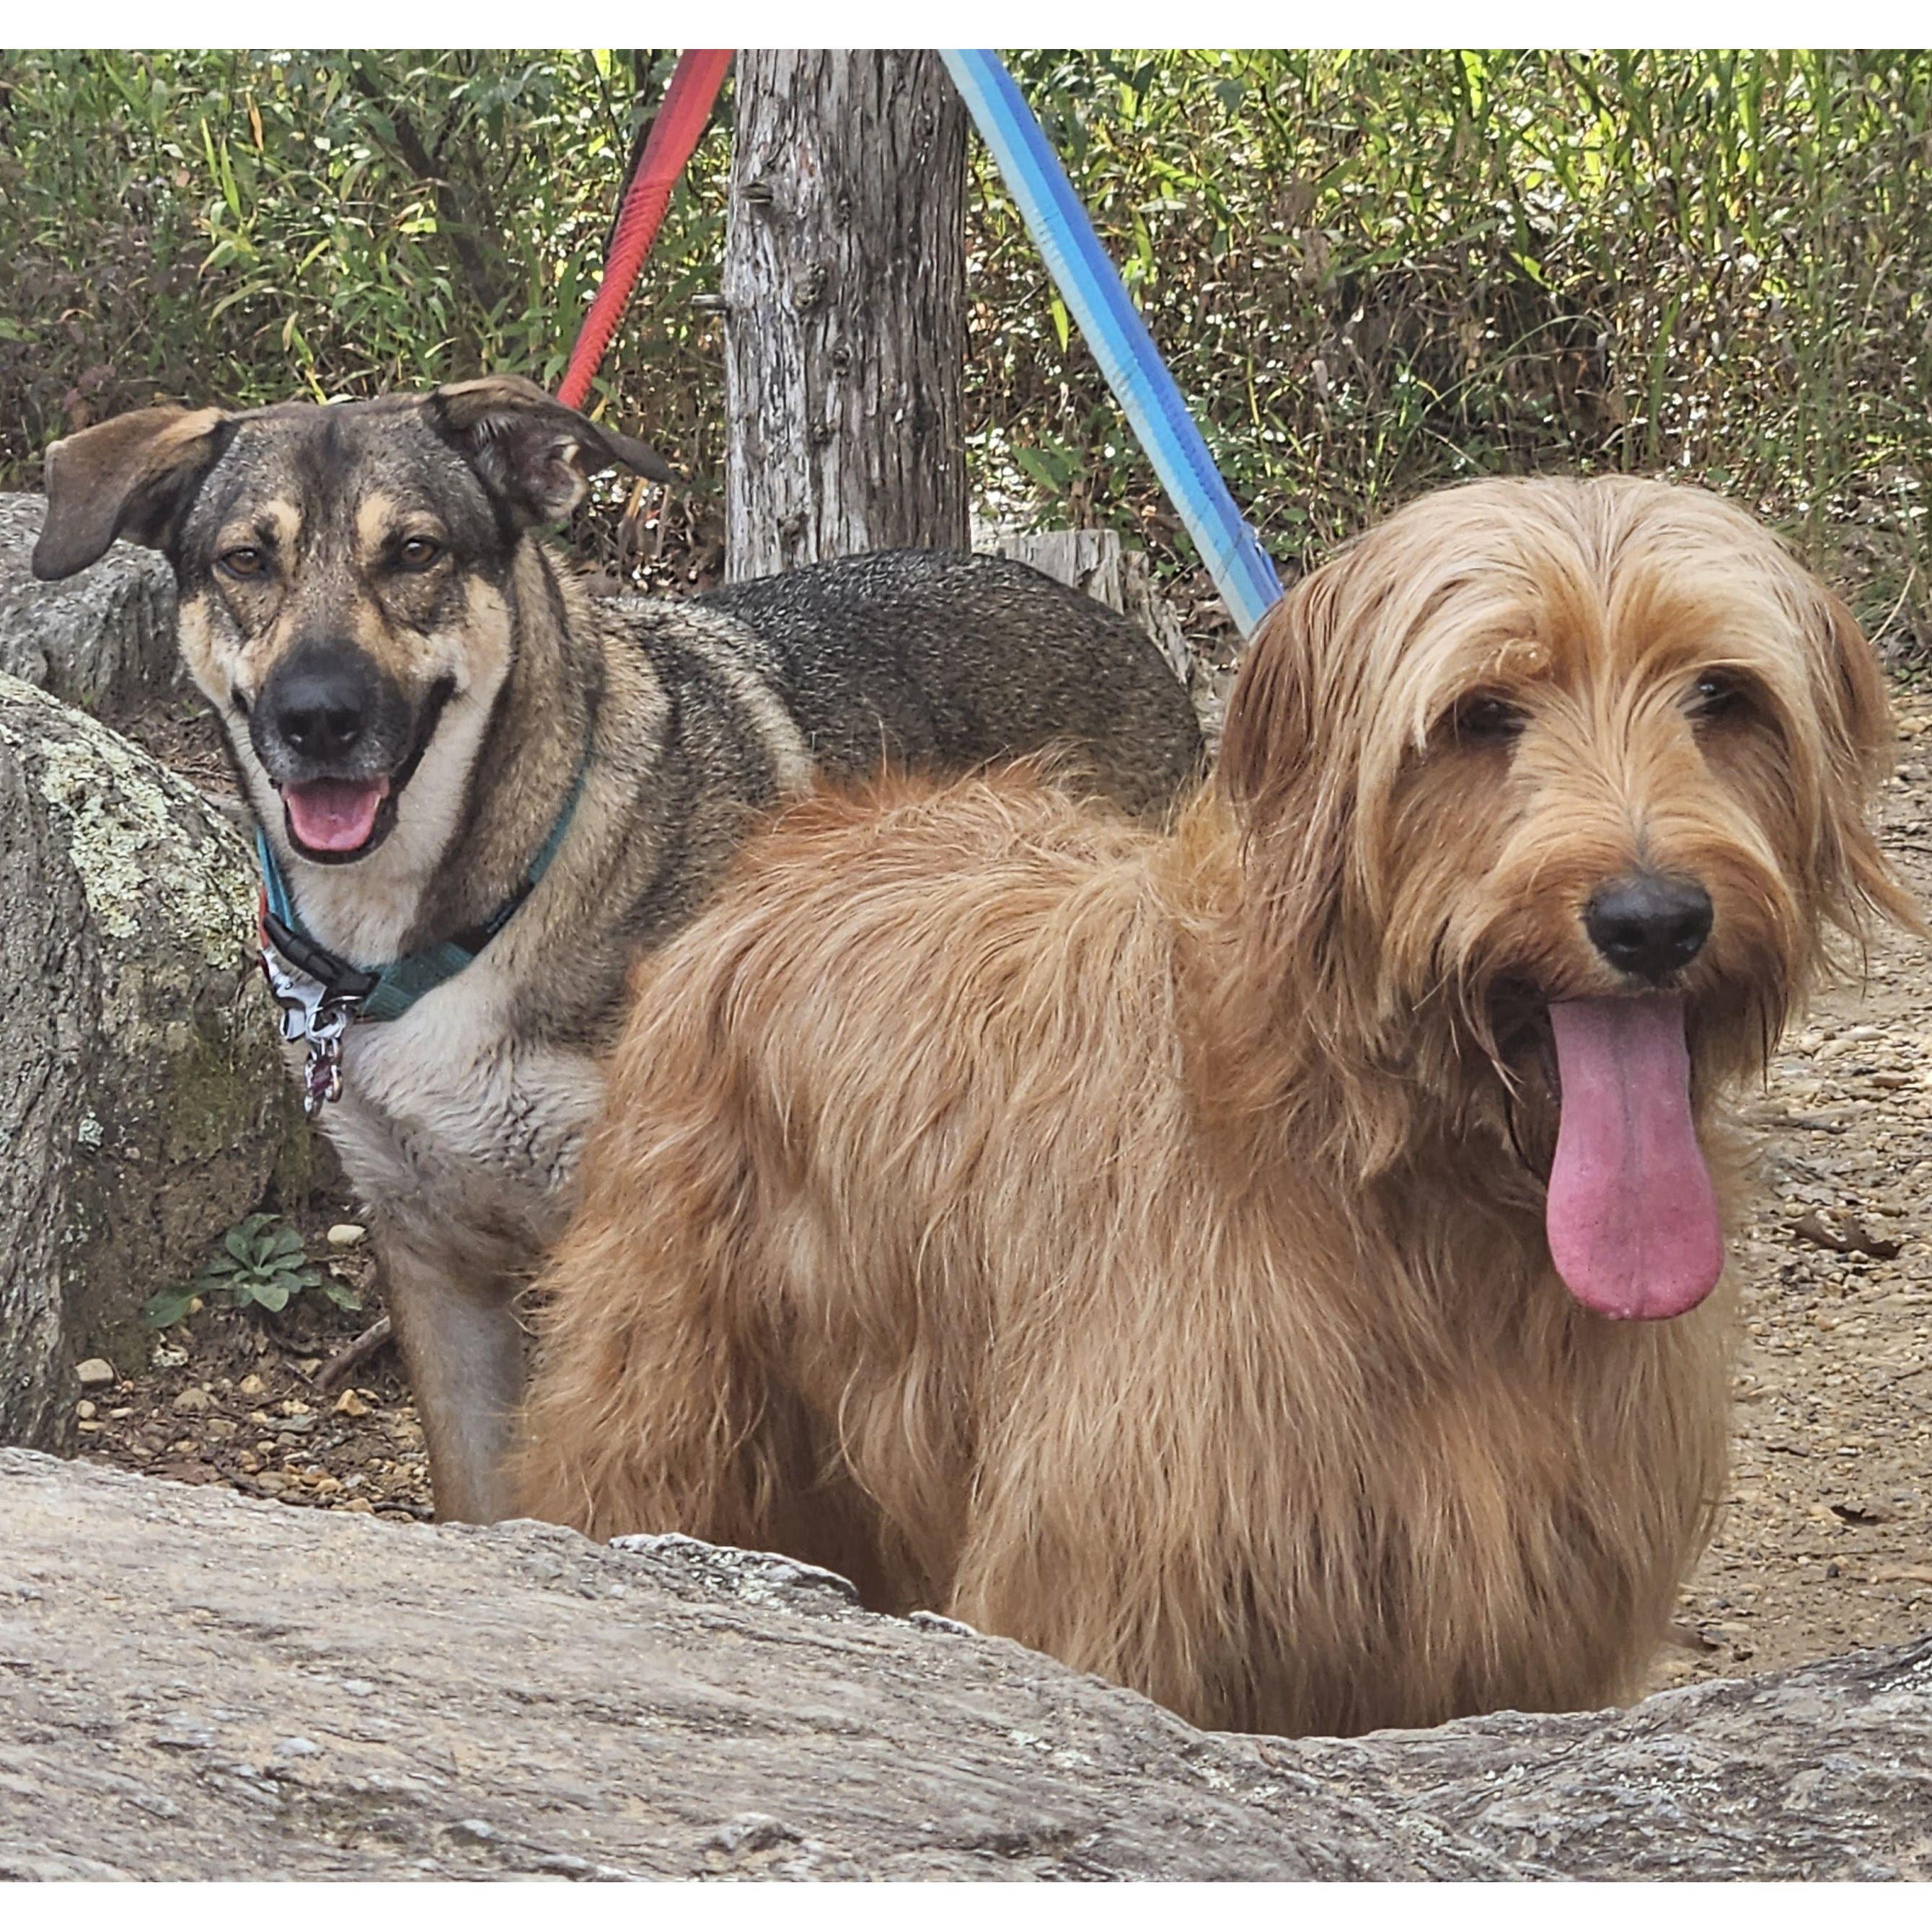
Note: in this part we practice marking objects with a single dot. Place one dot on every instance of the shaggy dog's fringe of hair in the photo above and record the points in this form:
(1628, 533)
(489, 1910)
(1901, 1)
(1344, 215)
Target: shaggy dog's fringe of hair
(1131, 1242)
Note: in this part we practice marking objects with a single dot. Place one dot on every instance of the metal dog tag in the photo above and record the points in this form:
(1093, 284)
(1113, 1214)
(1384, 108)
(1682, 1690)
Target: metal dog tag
(309, 1012)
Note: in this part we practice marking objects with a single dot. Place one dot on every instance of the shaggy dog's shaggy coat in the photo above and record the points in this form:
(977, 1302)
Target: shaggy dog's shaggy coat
(1197, 1254)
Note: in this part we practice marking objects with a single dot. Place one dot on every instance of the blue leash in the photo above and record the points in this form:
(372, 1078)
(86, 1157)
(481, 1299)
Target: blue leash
(1090, 286)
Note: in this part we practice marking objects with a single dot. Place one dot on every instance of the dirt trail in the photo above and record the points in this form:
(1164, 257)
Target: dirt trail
(1825, 1540)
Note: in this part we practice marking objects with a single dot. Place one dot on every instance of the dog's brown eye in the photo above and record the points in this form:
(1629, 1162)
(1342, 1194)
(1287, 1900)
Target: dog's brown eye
(417, 552)
(1487, 717)
(245, 560)
(1716, 694)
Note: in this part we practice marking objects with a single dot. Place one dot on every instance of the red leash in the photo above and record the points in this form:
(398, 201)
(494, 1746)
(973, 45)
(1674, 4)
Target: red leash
(681, 122)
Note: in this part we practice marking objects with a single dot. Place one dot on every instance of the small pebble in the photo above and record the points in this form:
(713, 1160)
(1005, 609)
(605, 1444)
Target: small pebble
(85, 1410)
(192, 1401)
(347, 1234)
(349, 1403)
(251, 1385)
(95, 1372)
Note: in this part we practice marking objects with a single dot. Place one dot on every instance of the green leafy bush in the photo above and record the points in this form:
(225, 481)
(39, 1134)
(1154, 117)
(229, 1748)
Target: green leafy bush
(1375, 271)
(247, 227)
(1372, 271)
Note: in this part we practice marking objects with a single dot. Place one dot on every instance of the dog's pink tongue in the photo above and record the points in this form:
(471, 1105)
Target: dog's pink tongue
(1632, 1216)
(334, 815)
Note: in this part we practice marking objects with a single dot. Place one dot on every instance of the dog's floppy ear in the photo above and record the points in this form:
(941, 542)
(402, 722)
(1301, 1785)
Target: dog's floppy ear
(534, 454)
(1866, 710)
(1290, 765)
(1295, 792)
(1868, 737)
(131, 476)
(1266, 740)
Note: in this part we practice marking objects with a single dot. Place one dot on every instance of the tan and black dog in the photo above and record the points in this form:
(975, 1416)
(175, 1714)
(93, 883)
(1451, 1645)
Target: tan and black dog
(482, 792)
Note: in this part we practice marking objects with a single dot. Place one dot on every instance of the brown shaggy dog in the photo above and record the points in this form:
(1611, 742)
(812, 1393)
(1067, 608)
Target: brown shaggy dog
(1154, 1246)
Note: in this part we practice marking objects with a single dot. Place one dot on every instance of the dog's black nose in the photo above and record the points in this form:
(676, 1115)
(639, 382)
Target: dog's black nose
(1648, 925)
(321, 708)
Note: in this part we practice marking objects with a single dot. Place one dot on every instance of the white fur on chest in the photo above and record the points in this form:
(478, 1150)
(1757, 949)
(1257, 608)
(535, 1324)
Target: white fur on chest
(443, 1112)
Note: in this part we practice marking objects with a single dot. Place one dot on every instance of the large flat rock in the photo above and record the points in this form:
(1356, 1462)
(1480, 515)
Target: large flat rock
(194, 1685)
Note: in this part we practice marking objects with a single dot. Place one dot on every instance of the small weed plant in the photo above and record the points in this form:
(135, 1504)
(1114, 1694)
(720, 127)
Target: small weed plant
(262, 1263)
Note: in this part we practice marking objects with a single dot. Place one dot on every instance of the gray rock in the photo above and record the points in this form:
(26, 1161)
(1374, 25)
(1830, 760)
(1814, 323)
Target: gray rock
(194, 1685)
(143, 1105)
(104, 639)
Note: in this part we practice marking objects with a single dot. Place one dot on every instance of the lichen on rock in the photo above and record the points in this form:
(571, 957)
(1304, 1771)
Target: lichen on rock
(119, 828)
(142, 1092)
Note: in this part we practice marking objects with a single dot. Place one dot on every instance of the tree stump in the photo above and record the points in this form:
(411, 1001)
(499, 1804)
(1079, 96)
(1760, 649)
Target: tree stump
(845, 316)
(143, 1106)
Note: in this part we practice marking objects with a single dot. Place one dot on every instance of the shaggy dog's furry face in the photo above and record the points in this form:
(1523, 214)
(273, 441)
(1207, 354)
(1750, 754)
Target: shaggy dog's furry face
(1209, 1256)
(1541, 779)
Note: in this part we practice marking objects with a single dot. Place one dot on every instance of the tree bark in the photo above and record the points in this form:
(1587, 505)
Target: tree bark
(845, 294)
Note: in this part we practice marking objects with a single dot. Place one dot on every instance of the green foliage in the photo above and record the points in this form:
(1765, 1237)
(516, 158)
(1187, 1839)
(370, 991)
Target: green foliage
(1372, 271)
(262, 1263)
(1375, 271)
(246, 227)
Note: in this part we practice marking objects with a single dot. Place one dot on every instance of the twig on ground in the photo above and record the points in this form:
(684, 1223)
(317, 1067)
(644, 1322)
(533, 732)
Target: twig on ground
(372, 1341)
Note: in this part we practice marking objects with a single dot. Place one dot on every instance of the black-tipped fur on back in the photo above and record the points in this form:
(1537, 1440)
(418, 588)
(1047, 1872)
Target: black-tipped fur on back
(885, 654)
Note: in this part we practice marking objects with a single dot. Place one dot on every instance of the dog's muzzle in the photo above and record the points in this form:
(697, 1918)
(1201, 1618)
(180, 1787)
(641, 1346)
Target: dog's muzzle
(339, 741)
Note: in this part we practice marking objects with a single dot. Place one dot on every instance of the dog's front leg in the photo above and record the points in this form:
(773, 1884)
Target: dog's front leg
(463, 1348)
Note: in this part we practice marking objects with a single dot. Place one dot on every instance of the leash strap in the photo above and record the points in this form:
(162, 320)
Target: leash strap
(1090, 286)
(679, 125)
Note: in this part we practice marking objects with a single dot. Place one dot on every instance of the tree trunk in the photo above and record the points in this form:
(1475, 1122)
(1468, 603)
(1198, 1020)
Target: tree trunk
(143, 1105)
(844, 296)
